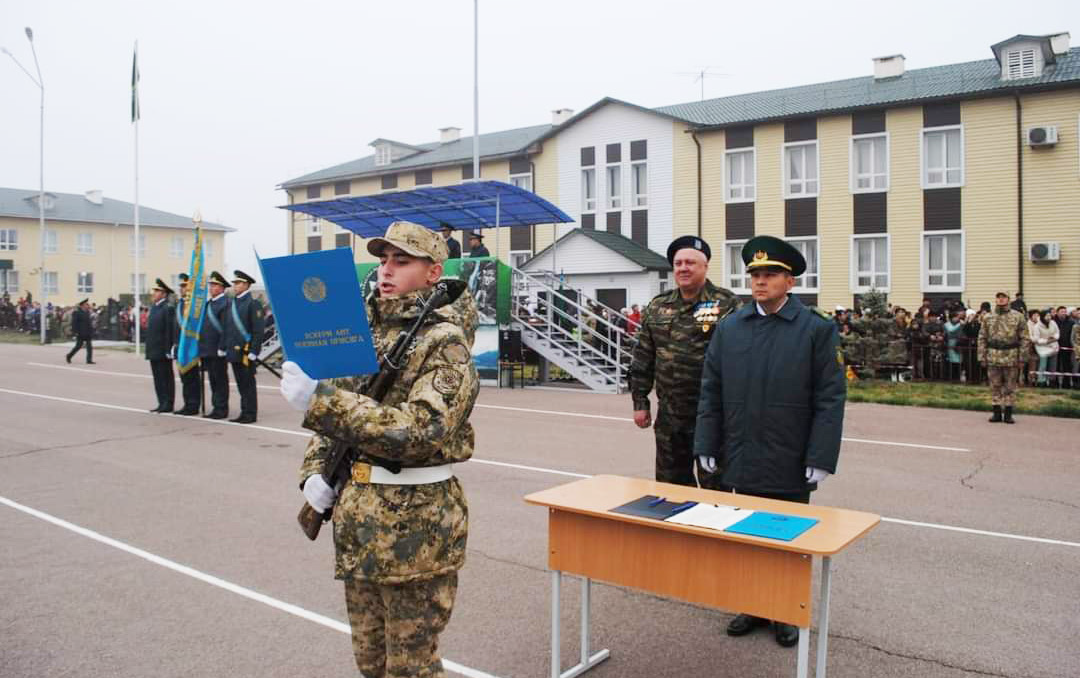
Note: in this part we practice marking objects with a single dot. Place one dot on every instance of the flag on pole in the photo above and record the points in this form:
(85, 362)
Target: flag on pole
(135, 85)
(194, 302)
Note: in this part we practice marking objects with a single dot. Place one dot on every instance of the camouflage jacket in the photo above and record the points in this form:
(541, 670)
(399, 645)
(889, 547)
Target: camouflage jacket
(1003, 338)
(671, 347)
(391, 534)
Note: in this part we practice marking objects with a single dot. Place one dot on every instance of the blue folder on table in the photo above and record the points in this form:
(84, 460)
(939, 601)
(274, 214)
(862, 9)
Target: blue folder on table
(772, 525)
(320, 313)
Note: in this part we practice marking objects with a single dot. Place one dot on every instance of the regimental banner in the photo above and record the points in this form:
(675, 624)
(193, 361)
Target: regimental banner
(193, 307)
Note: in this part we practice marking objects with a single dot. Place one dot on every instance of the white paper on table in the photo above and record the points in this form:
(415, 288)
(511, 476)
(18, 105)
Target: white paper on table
(710, 516)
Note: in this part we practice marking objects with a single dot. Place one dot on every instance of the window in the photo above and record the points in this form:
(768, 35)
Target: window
(142, 244)
(800, 170)
(341, 187)
(176, 246)
(870, 263)
(943, 262)
(383, 155)
(519, 258)
(52, 241)
(588, 189)
(314, 226)
(869, 163)
(174, 281)
(522, 181)
(639, 175)
(943, 157)
(86, 283)
(142, 283)
(313, 192)
(1020, 63)
(735, 270)
(84, 243)
(808, 281)
(208, 249)
(9, 239)
(9, 282)
(614, 187)
(51, 282)
(740, 176)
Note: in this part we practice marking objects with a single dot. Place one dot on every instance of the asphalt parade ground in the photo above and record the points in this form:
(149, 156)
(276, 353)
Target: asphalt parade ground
(137, 544)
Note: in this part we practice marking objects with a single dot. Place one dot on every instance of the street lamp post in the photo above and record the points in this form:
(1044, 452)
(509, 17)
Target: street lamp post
(41, 164)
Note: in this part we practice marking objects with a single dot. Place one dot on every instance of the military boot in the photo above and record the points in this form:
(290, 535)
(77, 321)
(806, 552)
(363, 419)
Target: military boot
(1008, 415)
(997, 415)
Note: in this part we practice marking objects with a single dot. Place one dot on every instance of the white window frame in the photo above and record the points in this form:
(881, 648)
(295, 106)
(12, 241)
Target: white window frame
(176, 246)
(208, 248)
(142, 283)
(313, 227)
(853, 162)
(52, 241)
(944, 170)
(85, 282)
(729, 258)
(9, 242)
(588, 179)
(639, 198)
(523, 180)
(817, 245)
(752, 185)
(924, 271)
(142, 244)
(1019, 55)
(84, 243)
(856, 288)
(817, 169)
(174, 281)
(514, 254)
(613, 201)
(51, 283)
(384, 155)
(11, 278)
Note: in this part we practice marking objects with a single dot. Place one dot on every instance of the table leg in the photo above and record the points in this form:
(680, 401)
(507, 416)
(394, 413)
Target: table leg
(586, 661)
(803, 662)
(823, 621)
(556, 640)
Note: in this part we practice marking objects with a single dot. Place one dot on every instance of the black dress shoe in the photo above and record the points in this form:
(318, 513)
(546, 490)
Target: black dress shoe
(68, 359)
(786, 634)
(216, 415)
(88, 362)
(243, 419)
(156, 409)
(186, 412)
(743, 624)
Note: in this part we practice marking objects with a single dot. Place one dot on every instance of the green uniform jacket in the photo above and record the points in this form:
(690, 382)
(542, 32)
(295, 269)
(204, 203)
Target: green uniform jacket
(391, 534)
(671, 348)
(1003, 339)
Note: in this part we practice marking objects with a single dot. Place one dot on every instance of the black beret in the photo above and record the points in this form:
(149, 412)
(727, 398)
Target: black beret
(765, 250)
(688, 242)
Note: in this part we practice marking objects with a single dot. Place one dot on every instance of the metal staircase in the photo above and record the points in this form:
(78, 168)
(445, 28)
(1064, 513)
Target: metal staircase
(560, 325)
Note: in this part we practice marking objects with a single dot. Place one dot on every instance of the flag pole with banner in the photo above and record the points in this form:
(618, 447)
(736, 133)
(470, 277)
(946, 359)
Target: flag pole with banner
(187, 352)
(135, 114)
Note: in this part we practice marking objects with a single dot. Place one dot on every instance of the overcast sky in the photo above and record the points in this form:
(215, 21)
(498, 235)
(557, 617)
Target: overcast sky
(240, 96)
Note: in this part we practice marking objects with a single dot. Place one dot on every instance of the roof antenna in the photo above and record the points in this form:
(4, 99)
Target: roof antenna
(700, 75)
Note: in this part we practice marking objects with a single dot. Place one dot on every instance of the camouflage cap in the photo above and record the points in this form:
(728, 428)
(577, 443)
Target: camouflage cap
(412, 239)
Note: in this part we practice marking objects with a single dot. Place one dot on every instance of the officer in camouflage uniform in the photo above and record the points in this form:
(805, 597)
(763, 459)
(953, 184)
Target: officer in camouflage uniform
(400, 534)
(1004, 343)
(674, 333)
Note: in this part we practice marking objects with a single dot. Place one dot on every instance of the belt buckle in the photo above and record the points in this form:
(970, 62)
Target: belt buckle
(361, 473)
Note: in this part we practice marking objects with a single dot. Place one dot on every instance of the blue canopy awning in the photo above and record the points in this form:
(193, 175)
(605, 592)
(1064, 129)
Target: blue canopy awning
(470, 206)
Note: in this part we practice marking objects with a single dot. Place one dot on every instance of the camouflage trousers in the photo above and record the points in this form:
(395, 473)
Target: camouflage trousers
(675, 460)
(396, 627)
(1003, 384)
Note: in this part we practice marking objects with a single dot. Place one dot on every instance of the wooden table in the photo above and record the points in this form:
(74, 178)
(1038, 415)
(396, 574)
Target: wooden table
(754, 575)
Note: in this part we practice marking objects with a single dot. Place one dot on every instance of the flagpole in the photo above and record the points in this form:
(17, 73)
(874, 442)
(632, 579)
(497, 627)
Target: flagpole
(135, 119)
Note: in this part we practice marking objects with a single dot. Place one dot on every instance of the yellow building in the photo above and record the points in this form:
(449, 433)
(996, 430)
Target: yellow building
(89, 246)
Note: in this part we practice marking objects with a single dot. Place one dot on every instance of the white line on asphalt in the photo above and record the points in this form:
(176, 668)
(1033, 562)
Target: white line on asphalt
(289, 608)
(534, 411)
(538, 469)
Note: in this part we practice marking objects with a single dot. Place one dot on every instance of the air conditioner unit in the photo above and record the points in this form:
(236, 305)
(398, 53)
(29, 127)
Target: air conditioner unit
(1042, 136)
(1041, 252)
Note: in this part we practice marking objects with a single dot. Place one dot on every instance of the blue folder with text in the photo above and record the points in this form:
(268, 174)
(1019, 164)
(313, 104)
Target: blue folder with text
(320, 313)
(772, 525)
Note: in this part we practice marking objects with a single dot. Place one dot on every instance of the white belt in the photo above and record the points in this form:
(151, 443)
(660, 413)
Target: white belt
(407, 476)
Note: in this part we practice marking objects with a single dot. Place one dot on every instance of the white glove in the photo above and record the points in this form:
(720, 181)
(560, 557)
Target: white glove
(708, 463)
(221, 354)
(815, 475)
(297, 387)
(320, 495)
(252, 357)
(172, 353)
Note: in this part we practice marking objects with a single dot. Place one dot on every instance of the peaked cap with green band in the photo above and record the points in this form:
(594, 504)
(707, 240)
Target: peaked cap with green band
(765, 250)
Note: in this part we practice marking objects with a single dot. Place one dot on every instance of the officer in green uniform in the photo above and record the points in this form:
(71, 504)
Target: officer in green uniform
(1003, 344)
(771, 412)
(675, 330)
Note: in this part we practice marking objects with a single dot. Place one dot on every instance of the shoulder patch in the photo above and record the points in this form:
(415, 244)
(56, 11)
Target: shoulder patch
(447, 381)
(456, 354)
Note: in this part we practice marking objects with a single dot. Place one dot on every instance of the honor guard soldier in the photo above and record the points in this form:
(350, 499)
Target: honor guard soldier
(674, 333)
(160, 345)
(771, 411)
(401, 524)
(1003, 345)
(190, 384)
(83, 330)
(243, 339)
(212, 347)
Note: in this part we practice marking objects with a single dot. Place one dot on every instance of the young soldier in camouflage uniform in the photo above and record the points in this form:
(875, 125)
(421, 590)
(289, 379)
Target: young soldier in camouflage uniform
(674, 333)
(1004, 343)
(400, 536)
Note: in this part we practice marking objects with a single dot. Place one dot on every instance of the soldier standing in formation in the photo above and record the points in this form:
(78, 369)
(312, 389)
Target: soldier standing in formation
(83, 330)
(674, 333)
(212, 347)
(243, 339)
(1004, 343)
(190, 385)
(160, 338)
(401, 525)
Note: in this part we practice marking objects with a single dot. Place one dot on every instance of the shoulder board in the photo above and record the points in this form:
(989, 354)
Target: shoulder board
(819, 311)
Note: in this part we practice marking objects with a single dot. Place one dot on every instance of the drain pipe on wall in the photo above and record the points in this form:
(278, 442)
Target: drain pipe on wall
(693, 135)
(1019, 193)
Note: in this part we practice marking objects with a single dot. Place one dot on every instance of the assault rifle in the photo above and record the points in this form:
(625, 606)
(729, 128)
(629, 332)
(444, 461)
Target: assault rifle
(339, 462)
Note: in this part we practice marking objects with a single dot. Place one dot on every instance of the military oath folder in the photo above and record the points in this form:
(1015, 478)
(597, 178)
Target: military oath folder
(320, 313)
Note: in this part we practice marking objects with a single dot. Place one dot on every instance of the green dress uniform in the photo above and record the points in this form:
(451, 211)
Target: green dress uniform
(1003, 344)
(669, 354)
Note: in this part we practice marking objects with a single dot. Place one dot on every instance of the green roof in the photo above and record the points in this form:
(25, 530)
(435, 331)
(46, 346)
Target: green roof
(16, 202)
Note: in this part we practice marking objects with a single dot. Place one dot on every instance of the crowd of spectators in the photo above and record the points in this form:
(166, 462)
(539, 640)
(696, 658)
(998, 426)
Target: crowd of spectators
(112, 321)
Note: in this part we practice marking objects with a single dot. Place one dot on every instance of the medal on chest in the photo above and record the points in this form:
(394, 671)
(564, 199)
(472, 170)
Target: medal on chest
(706, 313)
